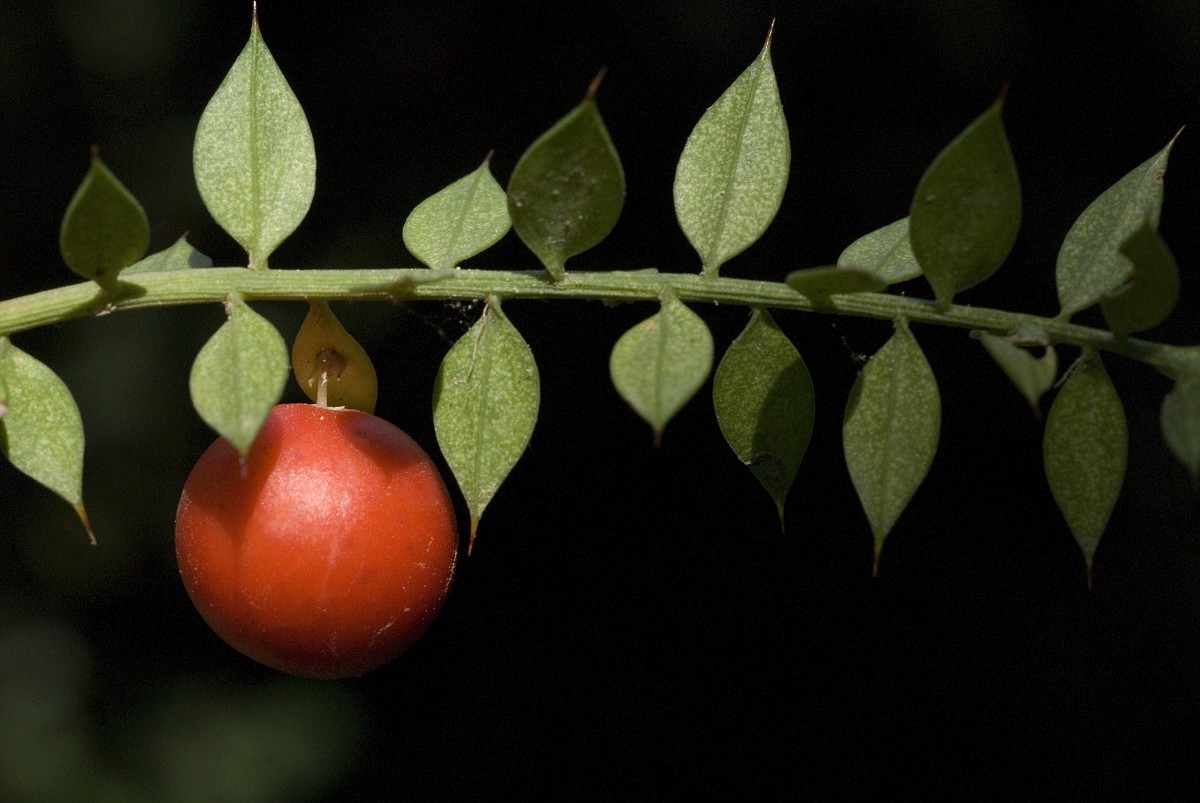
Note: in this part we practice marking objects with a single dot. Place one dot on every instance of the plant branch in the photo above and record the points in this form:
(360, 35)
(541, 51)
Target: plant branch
(213, 285)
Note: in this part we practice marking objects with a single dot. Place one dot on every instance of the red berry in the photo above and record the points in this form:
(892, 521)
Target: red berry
(326, 553)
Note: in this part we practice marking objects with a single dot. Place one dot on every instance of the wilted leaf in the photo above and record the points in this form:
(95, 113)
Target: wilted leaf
(239, 375)
(734, 168)
(1085, 448)
(818, 284)
(1031, 375)
(458, 222)
(485, 405)
(254, 158)
(330, 366)
(104, 228)
(891, 430)
(764, 401)
(967, 209)
(1090, 262)
(658, 365)
(41, 432)
(567, 190)
(885, 252)
(1151, 292)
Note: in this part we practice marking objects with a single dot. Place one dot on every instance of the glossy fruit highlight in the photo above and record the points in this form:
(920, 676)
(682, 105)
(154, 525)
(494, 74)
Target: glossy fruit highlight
(328, 553)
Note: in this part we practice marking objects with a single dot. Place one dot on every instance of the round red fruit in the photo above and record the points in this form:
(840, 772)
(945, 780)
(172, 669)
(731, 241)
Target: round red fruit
(327, 552)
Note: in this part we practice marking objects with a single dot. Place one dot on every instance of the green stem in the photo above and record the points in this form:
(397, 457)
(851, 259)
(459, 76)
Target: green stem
(213, 285)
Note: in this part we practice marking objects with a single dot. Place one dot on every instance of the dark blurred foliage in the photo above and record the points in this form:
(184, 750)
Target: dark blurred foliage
(633, 622)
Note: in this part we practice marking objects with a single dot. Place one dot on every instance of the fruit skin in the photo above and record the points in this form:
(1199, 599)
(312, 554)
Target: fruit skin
(329, 554)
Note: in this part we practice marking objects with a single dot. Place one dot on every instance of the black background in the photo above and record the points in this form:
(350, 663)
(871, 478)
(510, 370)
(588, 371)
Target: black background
(633, 621)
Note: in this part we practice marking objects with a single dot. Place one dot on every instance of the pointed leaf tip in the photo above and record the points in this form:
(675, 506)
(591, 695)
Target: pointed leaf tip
(594, 86)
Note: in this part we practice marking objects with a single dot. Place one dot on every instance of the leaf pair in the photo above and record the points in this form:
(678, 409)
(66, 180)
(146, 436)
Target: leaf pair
(565, 195)
(962, 224)
(762, 392)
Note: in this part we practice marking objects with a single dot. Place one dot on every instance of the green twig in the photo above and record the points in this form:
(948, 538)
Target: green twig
(213, 285)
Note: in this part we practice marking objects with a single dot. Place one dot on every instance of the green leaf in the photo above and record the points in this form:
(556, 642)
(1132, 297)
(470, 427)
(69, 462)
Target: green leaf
(764, 401)
(885, 252)
(1084, 449)
(254, 158)
(239, 375)
(967, 209)
(458, 222)
(658, 365)
(734, 168)
(1180, 420)
(41, 432)
(330, 366)
(818, 284)
(1152, 291)
(891, 429)
(104, 228)
(180, 256)
(1031, 375)
(1090, 262)
(485, 405)
(568, 188)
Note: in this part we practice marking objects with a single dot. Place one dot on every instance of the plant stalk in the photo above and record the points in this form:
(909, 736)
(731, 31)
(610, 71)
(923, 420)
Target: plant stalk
(213, 285)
